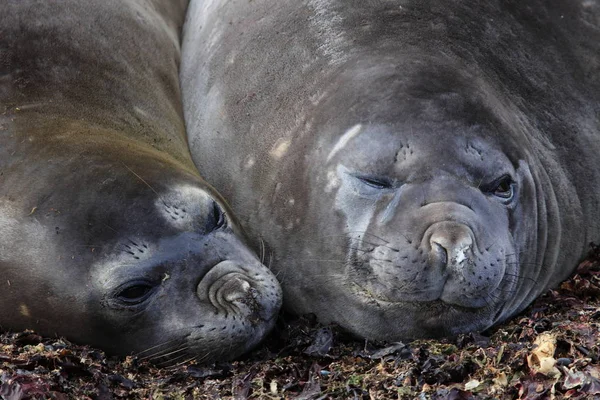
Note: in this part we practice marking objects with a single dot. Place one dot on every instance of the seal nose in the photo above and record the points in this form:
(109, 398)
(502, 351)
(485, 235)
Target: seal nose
(450, 243)
(230, 290)
(225, 290)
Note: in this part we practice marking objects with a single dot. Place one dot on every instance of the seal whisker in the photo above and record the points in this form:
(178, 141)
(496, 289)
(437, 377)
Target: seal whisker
(507, 291)
(514, 278)
(520, 277)
(370, 234)
(515, 254)
(114, 230)
(262, 250)
(143, 181)
(279, 273)
(176, 351)
(331, 277)
(156, 346)
(175, 362)
(196, 358)
(511, 280)
(179, 364)
(494, 298)
(360, 232)
(481, 181)
(378, 245)
(110, 227)
(337, 245)
(166, 343)
(523, 263)
(378, 237)
(362, 240)
(160, 353)
(501, 294)
(385, 260)
(387, 241)
(499, 291)
(321, 260)
(357, 249)
(487, 248)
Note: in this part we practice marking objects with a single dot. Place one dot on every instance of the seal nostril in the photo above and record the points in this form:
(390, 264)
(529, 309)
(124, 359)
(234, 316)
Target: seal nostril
(228, 290)
(456, 240)
(237, 289)
(439, 254)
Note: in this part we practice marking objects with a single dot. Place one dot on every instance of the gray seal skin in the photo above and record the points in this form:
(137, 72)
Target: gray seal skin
(416, 168)
(108, 234)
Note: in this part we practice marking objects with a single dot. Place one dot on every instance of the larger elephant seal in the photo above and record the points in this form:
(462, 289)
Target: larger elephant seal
(108, 235)
(417, 168)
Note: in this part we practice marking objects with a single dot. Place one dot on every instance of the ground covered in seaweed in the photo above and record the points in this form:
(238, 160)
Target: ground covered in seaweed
(550, 351)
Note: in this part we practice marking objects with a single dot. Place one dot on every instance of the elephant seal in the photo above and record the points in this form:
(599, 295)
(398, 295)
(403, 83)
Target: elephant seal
(416, 168)
(108, 234)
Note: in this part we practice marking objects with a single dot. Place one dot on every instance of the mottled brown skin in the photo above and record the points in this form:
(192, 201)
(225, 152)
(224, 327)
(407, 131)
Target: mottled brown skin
(417, 168)
(108, 234)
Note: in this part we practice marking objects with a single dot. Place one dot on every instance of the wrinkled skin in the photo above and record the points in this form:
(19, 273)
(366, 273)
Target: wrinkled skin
(416, 168)
(108, 235)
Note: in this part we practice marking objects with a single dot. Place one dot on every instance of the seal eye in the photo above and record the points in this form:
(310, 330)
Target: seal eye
(217, 220)
(377, 183)
(135, 294)
(503, 188)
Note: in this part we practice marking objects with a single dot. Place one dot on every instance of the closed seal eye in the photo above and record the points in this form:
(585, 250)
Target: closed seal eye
(375, 182)
(216, 220)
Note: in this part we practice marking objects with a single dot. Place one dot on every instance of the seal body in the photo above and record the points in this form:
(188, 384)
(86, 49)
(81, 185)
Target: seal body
(108, 235)
(417, 168)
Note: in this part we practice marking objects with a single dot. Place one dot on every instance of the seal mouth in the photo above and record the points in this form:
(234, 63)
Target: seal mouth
(388, 320)
(436, 302)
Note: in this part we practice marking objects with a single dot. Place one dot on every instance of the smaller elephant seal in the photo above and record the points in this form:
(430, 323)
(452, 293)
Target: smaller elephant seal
(108, 235)
(417, 168)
